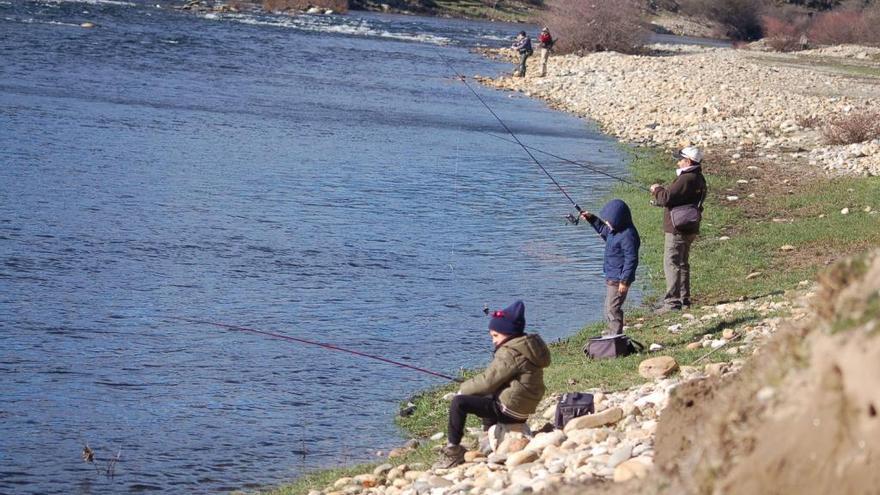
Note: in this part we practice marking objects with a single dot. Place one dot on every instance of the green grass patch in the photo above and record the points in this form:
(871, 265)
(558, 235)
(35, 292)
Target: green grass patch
(320, 479)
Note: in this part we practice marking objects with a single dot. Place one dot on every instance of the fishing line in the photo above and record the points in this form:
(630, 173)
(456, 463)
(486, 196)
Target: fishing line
(310, 342)
(573, 162)
(500, 121)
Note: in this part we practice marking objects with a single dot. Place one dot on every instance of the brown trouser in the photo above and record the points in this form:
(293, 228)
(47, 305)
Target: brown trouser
(677, 269)
(545, 54)
(614, 308)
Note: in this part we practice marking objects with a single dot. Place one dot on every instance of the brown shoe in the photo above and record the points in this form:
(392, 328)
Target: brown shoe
(450, 456)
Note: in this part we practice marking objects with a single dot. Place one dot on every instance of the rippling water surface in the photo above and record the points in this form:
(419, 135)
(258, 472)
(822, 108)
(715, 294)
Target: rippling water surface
(324, 177)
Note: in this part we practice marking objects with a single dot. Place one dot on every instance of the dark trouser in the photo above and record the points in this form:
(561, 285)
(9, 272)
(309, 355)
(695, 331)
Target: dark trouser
(481, 405)
(521, 67)
(677, 268)
(614, 307)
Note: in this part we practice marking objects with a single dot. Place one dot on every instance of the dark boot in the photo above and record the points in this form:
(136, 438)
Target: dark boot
(450, 456)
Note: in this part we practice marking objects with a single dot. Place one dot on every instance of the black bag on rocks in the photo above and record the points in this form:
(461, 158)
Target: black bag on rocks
(572, 405)
(612, 346)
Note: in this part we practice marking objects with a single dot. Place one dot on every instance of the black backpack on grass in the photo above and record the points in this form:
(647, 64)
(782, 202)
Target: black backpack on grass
(612, 346)
(572, 405)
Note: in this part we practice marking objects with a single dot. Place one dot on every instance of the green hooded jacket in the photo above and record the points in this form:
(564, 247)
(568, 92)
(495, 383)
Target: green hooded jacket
(515, 377)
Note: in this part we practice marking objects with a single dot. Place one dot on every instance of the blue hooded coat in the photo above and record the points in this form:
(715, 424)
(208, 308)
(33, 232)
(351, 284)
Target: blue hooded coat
(621, 244)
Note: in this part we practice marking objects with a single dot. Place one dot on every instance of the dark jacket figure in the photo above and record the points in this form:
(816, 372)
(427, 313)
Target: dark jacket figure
(689, 188)
(509, 390)
(622, 243)
(523, 46)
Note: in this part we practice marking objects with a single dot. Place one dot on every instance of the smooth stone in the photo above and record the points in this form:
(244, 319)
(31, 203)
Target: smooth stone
(438, 482)
(413, 475)
(627, 470)
(521, 457)
(513, 442)
(396, 472)
(716, 369)
(543, 440)
(606, 417)
(620, 454)
(366, 480)
(657, 367)
(473, 455)
(383, 469)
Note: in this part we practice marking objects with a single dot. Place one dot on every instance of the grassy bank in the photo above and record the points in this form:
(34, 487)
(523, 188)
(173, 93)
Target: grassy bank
(738, 238)
(804, 213)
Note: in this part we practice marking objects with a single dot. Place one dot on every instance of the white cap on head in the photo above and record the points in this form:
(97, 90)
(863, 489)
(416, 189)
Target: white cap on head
(691, 153)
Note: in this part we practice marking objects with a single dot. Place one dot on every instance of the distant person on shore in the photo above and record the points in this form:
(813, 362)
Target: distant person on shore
(615, 225)
(509, 390)
(683, 203)
(546, 43)
(523, 46)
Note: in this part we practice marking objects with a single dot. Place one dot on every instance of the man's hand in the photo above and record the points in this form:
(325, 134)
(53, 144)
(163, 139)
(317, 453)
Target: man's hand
(586, 215)
(622, 288)
(654, 188)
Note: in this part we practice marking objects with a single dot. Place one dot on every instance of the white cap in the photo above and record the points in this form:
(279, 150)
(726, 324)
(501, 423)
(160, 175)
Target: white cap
(691, 153)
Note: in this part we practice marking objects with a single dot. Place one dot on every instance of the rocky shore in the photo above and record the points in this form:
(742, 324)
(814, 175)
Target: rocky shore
(745, 104)
(616, 444)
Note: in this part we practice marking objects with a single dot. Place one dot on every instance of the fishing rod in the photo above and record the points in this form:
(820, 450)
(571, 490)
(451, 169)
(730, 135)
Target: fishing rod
(310, 342)
(573, 162)
(516, 139)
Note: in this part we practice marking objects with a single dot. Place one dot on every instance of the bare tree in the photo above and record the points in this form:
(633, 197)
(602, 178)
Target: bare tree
(596, 25)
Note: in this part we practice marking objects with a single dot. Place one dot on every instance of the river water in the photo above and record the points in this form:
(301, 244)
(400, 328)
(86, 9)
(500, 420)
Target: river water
(319, 176)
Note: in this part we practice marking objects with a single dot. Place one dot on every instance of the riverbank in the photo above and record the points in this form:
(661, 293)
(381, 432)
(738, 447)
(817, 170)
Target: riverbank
(744, 105)
(769, 226)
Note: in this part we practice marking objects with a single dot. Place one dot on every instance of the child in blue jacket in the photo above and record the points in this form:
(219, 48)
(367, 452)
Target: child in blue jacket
(614, 224)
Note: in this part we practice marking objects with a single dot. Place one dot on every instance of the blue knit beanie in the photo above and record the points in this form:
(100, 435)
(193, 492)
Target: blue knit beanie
(510, 320)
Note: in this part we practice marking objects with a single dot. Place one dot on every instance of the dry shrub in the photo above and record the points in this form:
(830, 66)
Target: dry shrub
(846, 26)
(852, 128)
(782, 35)
(283, 5)
(596, 25)
(809, 121)
(741, 19)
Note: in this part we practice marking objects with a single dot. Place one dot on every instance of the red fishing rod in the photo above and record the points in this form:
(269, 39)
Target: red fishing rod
(310, 342)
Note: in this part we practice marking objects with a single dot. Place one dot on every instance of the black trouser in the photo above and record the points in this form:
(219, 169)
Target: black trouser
(483, 406)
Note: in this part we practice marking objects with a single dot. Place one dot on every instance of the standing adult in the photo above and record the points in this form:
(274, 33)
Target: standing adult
(546, 43)
(523, 45)
(683, 203)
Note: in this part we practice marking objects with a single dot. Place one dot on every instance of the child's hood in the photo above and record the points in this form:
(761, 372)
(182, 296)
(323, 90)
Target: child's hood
(532, 347)
(617, 213)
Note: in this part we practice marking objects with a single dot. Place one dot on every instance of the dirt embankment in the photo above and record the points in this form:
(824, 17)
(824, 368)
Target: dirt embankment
(802, 418)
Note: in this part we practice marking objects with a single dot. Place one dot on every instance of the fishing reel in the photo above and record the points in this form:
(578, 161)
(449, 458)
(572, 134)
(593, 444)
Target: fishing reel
(572, 219)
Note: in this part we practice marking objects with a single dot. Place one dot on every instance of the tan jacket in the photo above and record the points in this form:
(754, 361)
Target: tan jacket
(515, 377)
